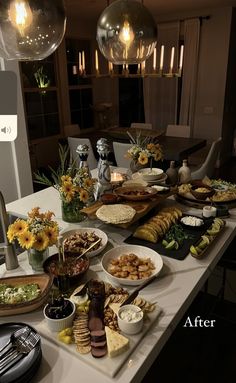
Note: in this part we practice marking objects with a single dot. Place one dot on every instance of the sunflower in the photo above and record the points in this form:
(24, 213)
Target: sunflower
(143, 158)
(26, 239)
(19, 226)
(151, 147)
(158, 156)
(52, 234)
(88, 182)
(66, 179)
(41, 241)
(83, 196)
(11, 233)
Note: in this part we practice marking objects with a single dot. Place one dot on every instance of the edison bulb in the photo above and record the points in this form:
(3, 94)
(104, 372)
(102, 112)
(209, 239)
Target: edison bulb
(123, 27)
(31, 29)
(20, 15)
(126, 34)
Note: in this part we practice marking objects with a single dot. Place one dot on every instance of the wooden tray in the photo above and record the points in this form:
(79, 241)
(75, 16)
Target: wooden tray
(197, 203)
(141, 207)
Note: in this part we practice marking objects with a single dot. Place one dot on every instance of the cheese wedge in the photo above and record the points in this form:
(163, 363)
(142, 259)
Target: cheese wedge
(116, 343)
(115, 307)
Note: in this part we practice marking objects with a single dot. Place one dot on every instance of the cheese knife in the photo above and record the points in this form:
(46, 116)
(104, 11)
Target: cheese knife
(135, 293)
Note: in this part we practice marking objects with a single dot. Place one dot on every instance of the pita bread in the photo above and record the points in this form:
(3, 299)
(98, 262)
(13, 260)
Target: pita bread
(116, 214)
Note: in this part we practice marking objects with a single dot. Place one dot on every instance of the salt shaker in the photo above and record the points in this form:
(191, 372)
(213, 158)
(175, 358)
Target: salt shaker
(104, 174)
(184, 173)
(83, 152)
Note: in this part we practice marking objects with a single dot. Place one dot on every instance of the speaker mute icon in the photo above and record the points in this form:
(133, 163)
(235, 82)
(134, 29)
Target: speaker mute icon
(6, 130)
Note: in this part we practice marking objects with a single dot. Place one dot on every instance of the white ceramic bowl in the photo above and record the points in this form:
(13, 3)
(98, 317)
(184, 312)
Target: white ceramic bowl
(56, 325)
(149, 174)
(98, 232)
(141, 252)
(133, 326)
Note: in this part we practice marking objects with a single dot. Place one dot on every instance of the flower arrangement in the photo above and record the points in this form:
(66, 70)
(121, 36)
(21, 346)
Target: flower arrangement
(75, 186)
(144, 149)
(38, 232)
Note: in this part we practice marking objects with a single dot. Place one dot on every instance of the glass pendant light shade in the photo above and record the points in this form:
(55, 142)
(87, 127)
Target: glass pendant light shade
(126, 32)
(30, 29)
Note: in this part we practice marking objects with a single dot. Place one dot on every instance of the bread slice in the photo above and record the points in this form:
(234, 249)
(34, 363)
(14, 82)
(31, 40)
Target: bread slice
(116, 343)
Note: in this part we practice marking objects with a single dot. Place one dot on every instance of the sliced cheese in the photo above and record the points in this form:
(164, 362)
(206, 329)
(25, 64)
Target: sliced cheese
(116, 343)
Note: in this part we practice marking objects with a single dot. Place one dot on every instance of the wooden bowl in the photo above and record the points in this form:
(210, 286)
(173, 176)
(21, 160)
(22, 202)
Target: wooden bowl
(44, 282)
(202, 191)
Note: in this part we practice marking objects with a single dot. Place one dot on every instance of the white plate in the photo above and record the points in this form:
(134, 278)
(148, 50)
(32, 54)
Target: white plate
(141, 252)
(136, 176)
(98, 232)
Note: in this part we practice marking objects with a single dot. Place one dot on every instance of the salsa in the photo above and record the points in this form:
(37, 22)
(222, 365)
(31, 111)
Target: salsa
(71, 266)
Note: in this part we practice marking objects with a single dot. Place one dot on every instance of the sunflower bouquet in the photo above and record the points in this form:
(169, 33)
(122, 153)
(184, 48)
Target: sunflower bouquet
(144, 150)
(75, 186)
(38, 232)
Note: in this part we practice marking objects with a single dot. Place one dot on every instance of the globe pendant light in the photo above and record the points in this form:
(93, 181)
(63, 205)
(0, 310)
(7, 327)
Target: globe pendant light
(126, 32)
(30, 29)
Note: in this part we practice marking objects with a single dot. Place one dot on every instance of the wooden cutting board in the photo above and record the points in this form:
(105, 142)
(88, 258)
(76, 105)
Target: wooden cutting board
(141, 207)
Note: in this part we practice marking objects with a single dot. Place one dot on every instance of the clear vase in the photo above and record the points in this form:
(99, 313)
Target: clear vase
(36, 258)
(71, 212)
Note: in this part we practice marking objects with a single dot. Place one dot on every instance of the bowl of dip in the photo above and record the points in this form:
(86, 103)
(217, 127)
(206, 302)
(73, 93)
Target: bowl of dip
(130, 319)
(149, 174)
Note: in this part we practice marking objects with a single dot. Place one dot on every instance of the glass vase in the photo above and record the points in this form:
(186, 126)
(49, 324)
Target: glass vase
(36, 258)
(71, 212)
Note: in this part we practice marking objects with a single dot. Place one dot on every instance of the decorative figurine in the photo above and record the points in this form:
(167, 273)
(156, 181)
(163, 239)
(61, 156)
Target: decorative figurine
(104, 174)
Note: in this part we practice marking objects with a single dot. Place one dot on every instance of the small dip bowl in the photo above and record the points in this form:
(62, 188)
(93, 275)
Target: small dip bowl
(202, 191)
(130, 319)
(149, 174)
(60, 324)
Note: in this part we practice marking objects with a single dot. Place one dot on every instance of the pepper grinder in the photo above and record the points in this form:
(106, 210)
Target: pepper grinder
(104, 174)
(83, 152)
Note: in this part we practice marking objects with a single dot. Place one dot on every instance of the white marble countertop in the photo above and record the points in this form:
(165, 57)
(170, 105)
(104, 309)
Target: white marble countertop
(174, 291)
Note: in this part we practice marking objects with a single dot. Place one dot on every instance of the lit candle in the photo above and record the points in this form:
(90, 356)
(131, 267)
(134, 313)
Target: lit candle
(96, 61)
(116, 177)
(162, 57)
(181, 57)
(172, 59)
(143, 65)
(110, 67)
(80, 62)
(83, 61)
(154, 59)
(74, 69)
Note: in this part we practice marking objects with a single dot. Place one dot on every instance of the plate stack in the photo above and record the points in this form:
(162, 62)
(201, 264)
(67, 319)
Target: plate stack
(24, 370)
(151, 176)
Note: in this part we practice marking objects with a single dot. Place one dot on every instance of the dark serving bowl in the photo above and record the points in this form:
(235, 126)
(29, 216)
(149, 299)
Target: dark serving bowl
(201, 191)
(193, 227)
(73, 270)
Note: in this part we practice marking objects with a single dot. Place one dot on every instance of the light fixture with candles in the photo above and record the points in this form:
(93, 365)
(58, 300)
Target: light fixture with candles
(126, 32)
(30, 29)
(169, 57)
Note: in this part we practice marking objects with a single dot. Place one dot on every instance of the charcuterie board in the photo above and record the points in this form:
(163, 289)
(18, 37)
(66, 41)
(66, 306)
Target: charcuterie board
(141, 207)
(108, 366)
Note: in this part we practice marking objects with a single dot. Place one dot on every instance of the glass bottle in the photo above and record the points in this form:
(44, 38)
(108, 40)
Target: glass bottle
(184, 173)
(172, 173)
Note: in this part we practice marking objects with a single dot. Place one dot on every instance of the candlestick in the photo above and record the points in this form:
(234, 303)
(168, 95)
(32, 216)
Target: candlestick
(172, 59)
(162, 58)
(181, 57)
(96, 62)
(154, 60)
(80, 63)
(83, 61)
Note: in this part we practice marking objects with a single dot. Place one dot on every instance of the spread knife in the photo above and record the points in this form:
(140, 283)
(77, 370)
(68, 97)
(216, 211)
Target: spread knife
(134, 294)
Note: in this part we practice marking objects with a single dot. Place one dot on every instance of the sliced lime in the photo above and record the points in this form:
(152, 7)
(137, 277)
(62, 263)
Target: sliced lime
(205, 238)
(193, 250)
(164, 243)
(202, 244)
(171, 245)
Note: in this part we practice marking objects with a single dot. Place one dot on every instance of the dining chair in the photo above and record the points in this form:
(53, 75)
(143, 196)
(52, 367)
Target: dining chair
(178, 131)
(73, 143)
(208, 166)
(120, 151)
(71, 130)
(141, 125)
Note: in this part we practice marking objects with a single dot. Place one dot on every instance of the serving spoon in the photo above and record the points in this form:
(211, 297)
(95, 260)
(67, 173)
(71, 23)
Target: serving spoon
(88, 249)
